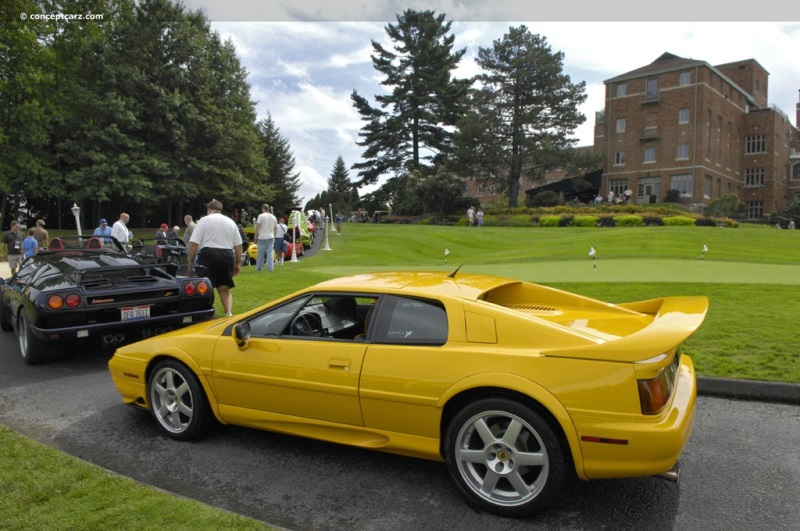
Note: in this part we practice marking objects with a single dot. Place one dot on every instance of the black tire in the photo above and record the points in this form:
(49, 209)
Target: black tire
(32, 349)
(5, 318)
(515, 478)
(178, 401)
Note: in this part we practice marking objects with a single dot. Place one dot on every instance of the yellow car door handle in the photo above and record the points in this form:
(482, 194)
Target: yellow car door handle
(339, 363)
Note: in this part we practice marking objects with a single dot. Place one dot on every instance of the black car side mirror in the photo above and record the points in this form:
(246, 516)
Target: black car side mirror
(241, 333)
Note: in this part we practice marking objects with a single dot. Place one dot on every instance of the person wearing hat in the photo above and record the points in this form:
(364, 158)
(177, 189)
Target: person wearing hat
(103, 229)
(162, 231)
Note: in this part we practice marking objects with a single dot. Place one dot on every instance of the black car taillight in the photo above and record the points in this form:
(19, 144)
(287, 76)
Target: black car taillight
(201, 287)
(56, 302)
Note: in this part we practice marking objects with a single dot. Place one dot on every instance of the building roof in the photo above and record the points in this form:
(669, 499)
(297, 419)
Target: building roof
(668, 62)
(665, 63)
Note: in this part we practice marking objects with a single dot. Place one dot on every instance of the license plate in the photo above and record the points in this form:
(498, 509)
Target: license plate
(132, 313)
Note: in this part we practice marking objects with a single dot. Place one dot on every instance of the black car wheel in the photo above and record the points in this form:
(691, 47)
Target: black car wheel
(505, 457)
(178, 402)
(33, 349)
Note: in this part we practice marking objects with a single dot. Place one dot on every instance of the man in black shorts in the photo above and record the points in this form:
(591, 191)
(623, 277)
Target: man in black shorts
(217, 245)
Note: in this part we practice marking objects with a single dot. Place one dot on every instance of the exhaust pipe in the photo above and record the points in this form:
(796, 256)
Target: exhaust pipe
(111, 339)
(673, 475)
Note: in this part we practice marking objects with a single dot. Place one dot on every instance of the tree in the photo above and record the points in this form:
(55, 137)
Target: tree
(727, 205)
(443, 194)
(26, 82)
(410, 130)
(521, 114)
(284, 183)
(339, 188)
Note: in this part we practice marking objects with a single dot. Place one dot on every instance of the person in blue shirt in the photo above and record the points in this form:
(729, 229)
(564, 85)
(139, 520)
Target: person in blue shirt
(30, 246)
(103, 229)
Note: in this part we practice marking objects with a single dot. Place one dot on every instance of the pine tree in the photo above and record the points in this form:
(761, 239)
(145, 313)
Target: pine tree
(523, 115)
(408, 130)
(284, 184)
(339, 188)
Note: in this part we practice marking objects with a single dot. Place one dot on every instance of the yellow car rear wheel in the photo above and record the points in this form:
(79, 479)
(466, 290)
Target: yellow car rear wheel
(505, 457)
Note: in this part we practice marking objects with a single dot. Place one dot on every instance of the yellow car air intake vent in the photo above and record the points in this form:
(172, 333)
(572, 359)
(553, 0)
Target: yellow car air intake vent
(531, 308)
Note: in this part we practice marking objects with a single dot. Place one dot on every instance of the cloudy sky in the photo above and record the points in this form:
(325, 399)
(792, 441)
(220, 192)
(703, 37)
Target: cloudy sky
(305, 57)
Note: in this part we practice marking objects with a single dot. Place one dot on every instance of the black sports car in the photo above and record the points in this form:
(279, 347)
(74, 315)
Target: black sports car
(83, 289)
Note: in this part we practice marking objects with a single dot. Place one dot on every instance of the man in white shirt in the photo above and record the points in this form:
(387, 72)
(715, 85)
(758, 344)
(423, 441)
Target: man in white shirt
(217, 246)
(120, 229)
(266, 230)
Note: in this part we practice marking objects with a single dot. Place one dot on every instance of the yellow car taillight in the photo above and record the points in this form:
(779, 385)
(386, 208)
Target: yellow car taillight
(654, 394)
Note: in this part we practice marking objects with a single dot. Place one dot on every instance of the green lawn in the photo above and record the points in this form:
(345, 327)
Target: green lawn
(750, 274)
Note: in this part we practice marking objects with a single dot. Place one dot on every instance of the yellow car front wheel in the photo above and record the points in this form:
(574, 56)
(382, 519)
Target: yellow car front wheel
(178, 402)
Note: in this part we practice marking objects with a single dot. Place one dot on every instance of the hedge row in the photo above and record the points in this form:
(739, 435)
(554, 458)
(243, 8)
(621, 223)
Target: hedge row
(621, 220)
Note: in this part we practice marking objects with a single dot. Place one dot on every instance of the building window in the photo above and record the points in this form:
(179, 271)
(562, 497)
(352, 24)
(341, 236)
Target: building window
(756, 144)
(683, 116)
(796, 172)
(619, 158)
(755, 209)
(682, 183)
(754, 177)
(491, 189)
(622, 89)
(683, 152)
(618, 186)
(707, 182)
(480, 189)
(685, 78)
(652, 88)
(620, 125)
(649, 155)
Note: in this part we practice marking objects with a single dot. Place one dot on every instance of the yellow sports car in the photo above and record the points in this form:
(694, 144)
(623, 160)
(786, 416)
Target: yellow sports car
(516, 386)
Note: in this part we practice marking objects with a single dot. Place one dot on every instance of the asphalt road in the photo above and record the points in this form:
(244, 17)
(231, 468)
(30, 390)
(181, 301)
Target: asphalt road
(741, 469)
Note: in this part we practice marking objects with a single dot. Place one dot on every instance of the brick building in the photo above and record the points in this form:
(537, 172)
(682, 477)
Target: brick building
(705, 131)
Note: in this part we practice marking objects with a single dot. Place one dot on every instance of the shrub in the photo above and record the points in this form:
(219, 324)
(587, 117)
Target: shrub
(650, 221)
(705, 222)
(584, 221)
(727, 222)
(673, 196)
(678, 221)
(607, 221)
(628, 221)
(543, 198)
(565, 221)
(549, 221)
